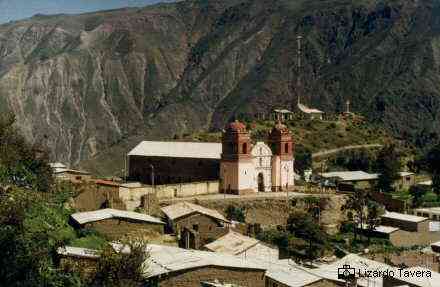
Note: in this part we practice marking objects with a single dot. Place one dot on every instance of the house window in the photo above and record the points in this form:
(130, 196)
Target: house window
(261, 150)
(408, 178)
(78, 178)
(286, 148)
(196, 227)
(261, 161)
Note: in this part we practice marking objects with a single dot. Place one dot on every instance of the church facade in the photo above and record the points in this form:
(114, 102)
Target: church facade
(240, 166)
(263, 167)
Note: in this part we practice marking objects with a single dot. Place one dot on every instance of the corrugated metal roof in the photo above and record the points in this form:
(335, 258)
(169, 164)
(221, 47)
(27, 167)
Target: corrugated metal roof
(178, 149)
(383, 229)
(102, 214)
(293, 277)
(404, 217)
(68, 170)
(57, 165)
(77, 252)
(232, 243)
(184, 208)
(166, 259)
(350, 175)
(405, 173)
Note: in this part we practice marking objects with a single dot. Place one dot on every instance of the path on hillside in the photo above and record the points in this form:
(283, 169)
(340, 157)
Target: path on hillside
(345, 148)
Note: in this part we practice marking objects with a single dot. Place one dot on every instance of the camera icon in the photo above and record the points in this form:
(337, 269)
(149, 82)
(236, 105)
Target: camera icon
(346, 273)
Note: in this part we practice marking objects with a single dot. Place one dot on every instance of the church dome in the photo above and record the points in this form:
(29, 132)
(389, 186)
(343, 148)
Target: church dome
(236, 126)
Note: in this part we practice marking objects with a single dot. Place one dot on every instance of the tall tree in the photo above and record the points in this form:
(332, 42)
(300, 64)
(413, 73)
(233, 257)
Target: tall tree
(388, 166)
(433, 162)
(356, 205)
(373, 214)
(304, 227)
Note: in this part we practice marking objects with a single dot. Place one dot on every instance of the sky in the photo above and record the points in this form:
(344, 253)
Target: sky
(19, 9)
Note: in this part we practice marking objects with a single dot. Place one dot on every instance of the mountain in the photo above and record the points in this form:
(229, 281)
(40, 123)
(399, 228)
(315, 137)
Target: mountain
(81, 84)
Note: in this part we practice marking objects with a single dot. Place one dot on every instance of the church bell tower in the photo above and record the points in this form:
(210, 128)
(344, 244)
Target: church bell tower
(282, 145)
(236, 166)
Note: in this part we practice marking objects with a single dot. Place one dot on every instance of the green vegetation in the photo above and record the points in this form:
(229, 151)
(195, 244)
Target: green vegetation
(123, 268)
(388, 165)
(302, 238)
(433, 162)
(34, 216)
(235, 213)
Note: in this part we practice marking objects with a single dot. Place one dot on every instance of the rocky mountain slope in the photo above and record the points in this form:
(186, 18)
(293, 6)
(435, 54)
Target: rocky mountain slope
(80, 84)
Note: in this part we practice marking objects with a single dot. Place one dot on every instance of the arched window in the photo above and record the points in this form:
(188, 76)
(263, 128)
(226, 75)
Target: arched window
(245, 148)
(286, 148)
(261, 161)
(261, 150)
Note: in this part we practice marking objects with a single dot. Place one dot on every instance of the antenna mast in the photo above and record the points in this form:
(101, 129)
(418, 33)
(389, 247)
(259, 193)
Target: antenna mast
(299, 77)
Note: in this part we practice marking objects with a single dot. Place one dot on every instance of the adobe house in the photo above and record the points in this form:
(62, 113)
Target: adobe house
(177, 267)
(116, 224)
(77, 259)
(405, 222)
(195, 225)
(63, 173)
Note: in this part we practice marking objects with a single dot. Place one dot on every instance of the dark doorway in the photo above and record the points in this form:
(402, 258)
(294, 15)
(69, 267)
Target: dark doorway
(260, 182)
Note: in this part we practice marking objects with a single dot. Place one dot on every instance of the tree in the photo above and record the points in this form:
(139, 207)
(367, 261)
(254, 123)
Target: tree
(433, 163)
(417, 193)
(235, 213)
(22, 164)
(356, 205)
(388, 166)
(303, 158)
(304, 227)
(30, 231)
(123, 264)
(374, 212)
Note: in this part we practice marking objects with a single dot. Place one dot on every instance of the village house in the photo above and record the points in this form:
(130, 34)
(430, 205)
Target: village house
(282, 115)
(79, 260)
(310, 113)
(350, 180)
(63, 173)
(195, 225)
(176, 267)
(363, 266)
(432, 213)
(116, 224)
(237, 164)
(234, 243)
(405, 222)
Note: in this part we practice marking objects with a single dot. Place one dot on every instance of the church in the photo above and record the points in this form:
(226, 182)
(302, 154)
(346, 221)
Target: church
(240, 166)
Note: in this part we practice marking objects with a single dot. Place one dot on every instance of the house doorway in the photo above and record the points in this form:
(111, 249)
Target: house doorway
(260, 182)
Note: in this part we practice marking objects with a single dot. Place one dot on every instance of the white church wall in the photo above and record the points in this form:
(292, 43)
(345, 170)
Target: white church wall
(262, 160)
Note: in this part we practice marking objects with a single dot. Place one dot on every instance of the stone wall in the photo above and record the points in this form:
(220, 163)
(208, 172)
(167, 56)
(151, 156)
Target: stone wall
(118, 228)
(275, 211)
(192, 278)
(402, 238)
(86, 267)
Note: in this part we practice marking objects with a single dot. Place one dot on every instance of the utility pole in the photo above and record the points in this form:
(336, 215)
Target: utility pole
(299, 76)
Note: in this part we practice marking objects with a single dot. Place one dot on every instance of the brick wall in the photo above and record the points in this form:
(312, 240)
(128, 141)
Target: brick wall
(192, 278)
(117, 228)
